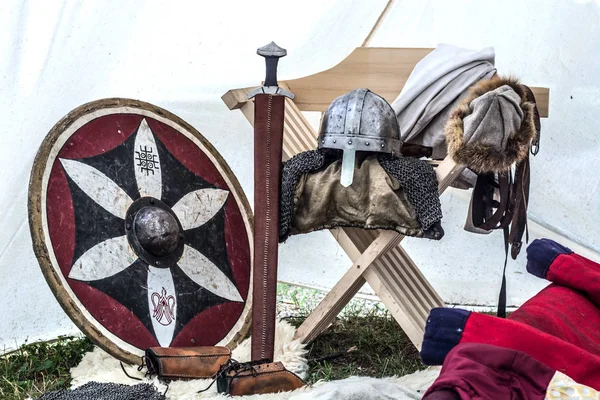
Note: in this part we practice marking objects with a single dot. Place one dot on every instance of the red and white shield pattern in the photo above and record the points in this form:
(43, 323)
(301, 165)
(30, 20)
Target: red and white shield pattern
(101, 165)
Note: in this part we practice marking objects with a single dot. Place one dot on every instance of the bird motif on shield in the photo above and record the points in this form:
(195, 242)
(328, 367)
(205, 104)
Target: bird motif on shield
(164, 307)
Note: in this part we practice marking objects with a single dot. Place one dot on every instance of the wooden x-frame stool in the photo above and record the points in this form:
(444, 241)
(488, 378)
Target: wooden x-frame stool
(378, 258)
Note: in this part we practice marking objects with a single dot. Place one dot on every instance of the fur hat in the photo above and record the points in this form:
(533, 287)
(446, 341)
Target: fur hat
(493, 127)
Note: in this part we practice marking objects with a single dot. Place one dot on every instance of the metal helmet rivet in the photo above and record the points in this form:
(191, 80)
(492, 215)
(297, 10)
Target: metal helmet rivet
(349, 141)
(367, 143)
(334, 140)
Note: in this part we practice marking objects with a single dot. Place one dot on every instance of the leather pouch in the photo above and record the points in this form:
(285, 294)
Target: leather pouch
(257, 378)
(186, 362)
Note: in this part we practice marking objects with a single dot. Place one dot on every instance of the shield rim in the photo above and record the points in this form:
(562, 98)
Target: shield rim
(127, 353)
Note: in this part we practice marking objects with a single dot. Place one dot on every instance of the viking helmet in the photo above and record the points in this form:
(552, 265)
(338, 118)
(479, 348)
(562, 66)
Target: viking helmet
(360, 120)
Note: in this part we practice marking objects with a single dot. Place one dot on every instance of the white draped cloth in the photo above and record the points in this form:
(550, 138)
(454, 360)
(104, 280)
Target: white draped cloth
(434, 88)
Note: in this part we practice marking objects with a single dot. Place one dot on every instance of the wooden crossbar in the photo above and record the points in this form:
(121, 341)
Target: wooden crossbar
(383, 70)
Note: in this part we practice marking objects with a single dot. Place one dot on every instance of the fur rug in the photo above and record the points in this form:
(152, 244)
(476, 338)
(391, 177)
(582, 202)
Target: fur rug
(99, 366)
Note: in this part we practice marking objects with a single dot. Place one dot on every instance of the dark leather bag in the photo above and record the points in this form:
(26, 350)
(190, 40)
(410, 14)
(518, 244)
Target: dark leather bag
(186, 362)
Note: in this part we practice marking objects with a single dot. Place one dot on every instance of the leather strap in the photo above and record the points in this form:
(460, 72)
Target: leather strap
(268, 142)
(510, 214)
(415, 150)
(483, 217)
(501, 312)
(520, 201)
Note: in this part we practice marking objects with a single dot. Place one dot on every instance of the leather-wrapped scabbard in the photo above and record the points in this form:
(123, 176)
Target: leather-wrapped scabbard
(268, 141)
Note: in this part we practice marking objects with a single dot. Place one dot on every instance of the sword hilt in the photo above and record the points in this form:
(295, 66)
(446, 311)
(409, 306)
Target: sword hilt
(272, 53)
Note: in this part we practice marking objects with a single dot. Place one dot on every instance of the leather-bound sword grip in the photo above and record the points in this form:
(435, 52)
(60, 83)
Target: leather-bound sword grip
(271, 77)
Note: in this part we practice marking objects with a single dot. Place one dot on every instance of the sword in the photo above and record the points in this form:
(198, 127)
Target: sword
(269, 109)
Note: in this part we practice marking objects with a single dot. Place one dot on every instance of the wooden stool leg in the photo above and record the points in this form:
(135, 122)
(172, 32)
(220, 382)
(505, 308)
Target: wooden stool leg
(331, 306)
(346, 288)
(405, 292)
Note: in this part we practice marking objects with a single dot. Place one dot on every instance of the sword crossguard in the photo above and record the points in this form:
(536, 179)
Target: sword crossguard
(272, 53)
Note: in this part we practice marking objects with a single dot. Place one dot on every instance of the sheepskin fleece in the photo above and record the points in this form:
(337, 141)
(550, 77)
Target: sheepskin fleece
(99, 366)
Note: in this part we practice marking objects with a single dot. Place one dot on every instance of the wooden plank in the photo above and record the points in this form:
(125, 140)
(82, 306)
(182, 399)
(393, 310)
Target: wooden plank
(384, 70)
(542, 99)
(446, 172)
(391, 265)
(236, 98)
(298, 135)
(346, 243)
(411, 327)
(391, 284)
(432, 296)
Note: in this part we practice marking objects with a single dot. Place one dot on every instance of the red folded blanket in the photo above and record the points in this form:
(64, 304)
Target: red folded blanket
(559, 327)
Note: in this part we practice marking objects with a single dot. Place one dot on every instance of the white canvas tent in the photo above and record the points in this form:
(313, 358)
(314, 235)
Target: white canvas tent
(57, 55)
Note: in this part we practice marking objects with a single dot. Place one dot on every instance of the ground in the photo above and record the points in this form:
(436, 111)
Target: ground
(364, 341)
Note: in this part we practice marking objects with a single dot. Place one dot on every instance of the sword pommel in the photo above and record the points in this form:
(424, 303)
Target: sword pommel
(271, 50)
(272, 53)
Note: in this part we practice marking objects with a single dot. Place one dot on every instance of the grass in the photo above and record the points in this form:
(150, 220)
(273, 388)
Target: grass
(365, 345)
(40, 367)
(379, 348)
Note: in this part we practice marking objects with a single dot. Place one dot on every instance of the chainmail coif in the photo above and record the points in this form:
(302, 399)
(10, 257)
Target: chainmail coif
(419, 180)
(107, 391)
(416, 176)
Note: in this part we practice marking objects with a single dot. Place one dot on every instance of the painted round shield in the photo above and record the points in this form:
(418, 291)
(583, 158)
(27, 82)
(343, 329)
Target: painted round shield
(141, 230)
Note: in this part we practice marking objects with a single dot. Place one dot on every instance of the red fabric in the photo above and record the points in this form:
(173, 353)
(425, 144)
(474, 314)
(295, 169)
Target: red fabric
(480, 371)
(576, 272)
(560, 326)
